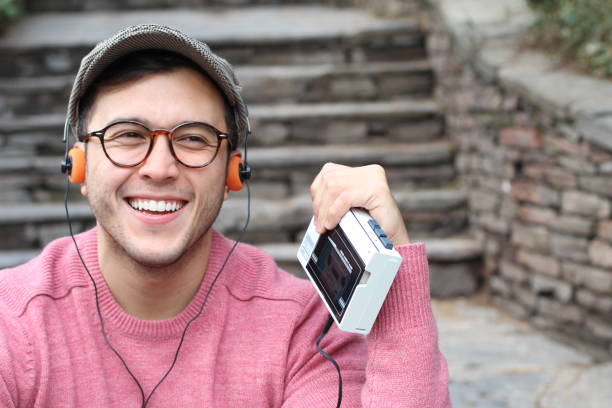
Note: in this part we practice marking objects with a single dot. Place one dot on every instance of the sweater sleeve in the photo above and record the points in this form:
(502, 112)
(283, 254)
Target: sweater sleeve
(405, 367)
(7, 382)
(398, 365)
(311, 380)
(16, 363)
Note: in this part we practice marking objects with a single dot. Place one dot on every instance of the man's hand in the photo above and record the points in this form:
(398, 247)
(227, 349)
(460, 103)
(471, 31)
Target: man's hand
(338, 188)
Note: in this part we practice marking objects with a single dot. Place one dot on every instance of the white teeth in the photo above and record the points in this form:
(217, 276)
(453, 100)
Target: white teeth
(155, 206)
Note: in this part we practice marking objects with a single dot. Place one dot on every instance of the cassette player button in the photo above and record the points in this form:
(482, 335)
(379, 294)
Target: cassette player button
(386, 242)
(380, 234)
(374, 225)
(377, 230)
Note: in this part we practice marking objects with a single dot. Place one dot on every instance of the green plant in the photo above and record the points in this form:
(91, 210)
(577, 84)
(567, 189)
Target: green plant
(10, 10)
(579, 30)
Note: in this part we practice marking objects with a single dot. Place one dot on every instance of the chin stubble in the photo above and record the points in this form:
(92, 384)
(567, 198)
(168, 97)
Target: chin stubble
(147, 259)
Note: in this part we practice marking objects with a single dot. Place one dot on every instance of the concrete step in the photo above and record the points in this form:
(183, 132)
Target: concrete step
(336, 82)
(300, 156)
(8, 259)
(277, 171)
(435, 213)
(261, 84)
(439, 250)
(454, 263)
(35, 95)
(426, 212)
(366, 123)
(32, 226)
(401, 120)
(89, 5)
(54, 43)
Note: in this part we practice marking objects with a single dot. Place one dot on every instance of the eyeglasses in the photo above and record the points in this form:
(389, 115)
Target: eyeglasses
(128, 143)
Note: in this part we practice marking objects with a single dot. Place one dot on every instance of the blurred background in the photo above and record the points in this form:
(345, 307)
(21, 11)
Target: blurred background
(492, 119)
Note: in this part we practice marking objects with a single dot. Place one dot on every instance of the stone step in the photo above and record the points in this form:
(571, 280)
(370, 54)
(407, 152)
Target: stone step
(454, 263)
(426, 212)
(89, 5)
(261, 84)
(439, 250)
(389, 155)
(336, 82)
(405, 120)
(436, 213)
(277, 171)
(36, 95)
(258, 35)
(8, 259)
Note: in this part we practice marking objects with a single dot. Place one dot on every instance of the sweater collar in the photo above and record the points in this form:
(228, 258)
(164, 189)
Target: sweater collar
(117, 318)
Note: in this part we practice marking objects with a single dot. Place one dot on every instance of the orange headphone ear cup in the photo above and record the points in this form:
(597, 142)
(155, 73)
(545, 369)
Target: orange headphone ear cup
(77, 171)
(233, 180)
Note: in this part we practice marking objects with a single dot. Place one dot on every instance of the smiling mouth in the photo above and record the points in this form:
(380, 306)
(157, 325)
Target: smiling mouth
(156, 207)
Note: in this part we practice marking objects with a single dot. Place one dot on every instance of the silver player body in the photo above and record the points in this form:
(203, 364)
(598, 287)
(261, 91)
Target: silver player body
(352, 268)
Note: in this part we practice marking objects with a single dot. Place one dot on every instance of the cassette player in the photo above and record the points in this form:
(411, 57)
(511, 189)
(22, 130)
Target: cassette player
(352, 268)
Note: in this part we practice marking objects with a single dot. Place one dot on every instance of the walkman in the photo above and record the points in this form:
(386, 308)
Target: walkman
(352, 268)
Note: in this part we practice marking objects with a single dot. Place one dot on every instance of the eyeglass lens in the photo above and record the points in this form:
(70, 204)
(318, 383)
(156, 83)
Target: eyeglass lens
(128, 143)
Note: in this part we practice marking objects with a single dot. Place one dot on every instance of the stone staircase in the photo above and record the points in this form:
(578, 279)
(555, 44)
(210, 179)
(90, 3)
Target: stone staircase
(323, 84)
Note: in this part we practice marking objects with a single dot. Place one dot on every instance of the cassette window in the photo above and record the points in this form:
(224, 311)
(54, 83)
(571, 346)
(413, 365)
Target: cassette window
(336, 269)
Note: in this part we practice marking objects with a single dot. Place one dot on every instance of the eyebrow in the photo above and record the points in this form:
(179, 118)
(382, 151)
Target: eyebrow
(135, 119)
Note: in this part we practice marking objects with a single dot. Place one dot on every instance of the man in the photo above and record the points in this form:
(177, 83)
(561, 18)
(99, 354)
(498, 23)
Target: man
(152, 308)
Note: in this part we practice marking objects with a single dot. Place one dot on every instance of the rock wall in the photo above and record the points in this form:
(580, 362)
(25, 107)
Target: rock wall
(535, 158)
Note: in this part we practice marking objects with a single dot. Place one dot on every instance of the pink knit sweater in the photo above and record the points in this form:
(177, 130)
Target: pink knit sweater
(253, 346)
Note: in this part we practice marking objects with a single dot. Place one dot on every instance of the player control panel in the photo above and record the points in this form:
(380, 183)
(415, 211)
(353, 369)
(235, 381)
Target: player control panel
(385, 241)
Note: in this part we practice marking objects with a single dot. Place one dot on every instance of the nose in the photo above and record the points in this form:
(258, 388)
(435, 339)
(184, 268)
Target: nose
(160, 165)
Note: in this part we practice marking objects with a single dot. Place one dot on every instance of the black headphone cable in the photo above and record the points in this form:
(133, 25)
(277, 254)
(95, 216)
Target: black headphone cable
(146, 400)
(330, 322)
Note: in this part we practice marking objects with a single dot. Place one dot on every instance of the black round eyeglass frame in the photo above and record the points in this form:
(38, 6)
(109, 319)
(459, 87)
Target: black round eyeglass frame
(154, 132)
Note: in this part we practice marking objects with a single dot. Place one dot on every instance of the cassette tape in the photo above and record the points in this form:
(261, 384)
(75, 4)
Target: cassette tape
(352, 268)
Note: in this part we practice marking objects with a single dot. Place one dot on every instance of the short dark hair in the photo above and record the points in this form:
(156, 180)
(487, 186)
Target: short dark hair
(138, 65)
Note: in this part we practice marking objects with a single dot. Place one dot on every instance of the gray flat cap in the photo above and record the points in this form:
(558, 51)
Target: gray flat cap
(153, 36)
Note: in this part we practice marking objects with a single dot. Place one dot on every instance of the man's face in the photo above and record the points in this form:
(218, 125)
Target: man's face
(149, 237)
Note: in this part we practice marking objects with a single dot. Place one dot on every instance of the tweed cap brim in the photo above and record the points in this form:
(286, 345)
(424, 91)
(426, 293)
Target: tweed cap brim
(153, 36)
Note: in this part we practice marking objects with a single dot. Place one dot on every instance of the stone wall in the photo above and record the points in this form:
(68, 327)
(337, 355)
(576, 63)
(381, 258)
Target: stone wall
(535, 158)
